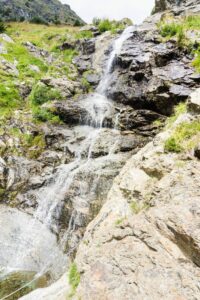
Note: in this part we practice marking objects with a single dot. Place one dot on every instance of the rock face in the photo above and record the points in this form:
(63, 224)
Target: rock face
(178, 6)
(48, 11)
(97, 184)
(144, 243)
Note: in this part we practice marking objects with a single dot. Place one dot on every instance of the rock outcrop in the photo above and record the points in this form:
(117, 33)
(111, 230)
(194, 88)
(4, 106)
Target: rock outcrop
(48, 11)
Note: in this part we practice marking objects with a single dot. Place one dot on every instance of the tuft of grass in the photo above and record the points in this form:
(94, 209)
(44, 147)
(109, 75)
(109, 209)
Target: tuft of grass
(183, 137)
(42, 94)
(180, 109)
(74, 278)
(109, 25)
(138, 207)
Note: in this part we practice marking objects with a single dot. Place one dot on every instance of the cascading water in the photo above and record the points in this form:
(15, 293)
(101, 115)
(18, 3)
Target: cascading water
(51, 197)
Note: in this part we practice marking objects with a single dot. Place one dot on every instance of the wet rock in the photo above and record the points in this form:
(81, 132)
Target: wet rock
(35, 254)
(194, 101)
(93, 79)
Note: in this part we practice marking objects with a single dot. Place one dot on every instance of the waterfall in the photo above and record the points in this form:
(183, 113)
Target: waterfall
(51, 197)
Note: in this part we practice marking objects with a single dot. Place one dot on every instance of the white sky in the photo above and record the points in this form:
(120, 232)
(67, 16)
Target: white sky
(137, 10)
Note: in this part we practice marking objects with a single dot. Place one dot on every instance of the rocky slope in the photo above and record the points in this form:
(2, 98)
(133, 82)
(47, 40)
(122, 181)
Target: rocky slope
(45, 11)
(59, 165)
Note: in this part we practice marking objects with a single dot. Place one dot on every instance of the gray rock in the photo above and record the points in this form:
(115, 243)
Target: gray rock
(194, 101)
(6, 38)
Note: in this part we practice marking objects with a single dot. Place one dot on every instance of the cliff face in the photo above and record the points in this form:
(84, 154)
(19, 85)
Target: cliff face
(47, 11)
(99, 164)
(178, 6)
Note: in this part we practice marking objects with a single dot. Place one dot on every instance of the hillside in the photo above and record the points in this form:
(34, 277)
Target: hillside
(41, 11)
(100, 159)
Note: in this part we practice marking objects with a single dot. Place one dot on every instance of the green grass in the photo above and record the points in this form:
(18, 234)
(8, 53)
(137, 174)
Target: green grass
(179, 28)
(42, 94)
(25, 59)
(74, 278)
(109, 25)
(137, 207)
(180, 109)
(9, 99)
(196, 61)
(184, 137)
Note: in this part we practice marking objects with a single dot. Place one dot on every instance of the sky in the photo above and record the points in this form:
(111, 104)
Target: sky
(137, 10)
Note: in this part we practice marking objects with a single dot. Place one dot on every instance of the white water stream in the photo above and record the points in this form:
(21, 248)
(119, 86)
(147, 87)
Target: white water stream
(48, 197)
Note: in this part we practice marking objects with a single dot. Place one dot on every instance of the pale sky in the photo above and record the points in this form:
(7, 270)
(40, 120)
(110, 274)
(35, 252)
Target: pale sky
(137, 10)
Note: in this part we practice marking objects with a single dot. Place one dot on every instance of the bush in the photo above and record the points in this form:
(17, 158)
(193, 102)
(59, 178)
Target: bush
(38, 20)
(43, 115)
(183, 137)
(74, 278)
(105, 25)
(171, 29)
(42, 94)
(2, 27)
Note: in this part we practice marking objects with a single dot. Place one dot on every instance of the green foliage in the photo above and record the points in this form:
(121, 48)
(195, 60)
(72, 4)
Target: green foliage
(137, 207)
(39, 20)
(2, 26)
(42, 94)
(172, 145)
(105, 25)
(74, 278)
(9, 98)
(180, 109)
(196, 61)
(44, 115)
(183, 137)
(193, 22)
(109, 25)
(25, 59)
(170, 29)
(85, 34)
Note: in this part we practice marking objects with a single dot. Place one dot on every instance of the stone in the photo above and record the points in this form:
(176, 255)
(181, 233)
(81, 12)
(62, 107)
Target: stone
(34, 68)
(64, 85)
(194, 101)
(6, 38)
(8, 67)
(39, 53)
(3, 49)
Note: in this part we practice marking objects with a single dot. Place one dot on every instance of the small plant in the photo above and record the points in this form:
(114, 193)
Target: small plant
(42, 94)
(2, 26)
(137, 207)
(74, 278)
(171, 145)
(180, 109)
(183, 137)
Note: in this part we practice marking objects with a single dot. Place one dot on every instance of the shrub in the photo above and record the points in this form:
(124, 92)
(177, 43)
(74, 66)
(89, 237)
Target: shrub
(42, 94)
(43, 115)
(2, 26)
(105, 25)
(38, 20)
(182, 137)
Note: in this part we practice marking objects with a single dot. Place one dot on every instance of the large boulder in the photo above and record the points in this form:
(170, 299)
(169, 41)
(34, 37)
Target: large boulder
(194, 101)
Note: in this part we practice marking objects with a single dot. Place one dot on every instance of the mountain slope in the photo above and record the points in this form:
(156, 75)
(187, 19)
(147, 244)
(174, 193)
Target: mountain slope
(47, 11)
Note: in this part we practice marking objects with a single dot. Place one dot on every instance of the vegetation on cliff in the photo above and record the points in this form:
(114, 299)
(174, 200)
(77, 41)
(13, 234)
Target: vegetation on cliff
(39, 11)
